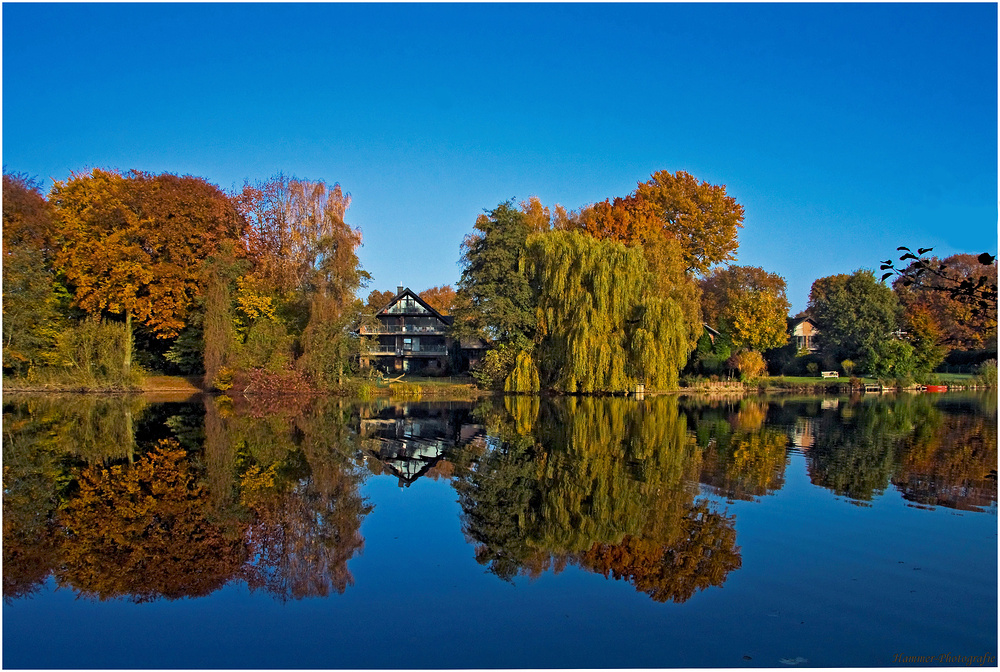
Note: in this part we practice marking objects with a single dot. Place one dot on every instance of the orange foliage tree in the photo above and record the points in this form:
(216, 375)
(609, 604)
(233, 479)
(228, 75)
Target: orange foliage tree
(133, 245)
(442, 298)
(377, 300)
(700, 215)
(964, 323)
(140, 531)
(703, 556)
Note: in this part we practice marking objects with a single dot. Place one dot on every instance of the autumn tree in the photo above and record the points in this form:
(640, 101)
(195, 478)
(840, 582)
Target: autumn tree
(926, 336)
(748, 304)
(27, 217)
(297, 236)
(377, 300)
(536, 216)
(977, 289)
(132, 245)
(700, 215)
(299, 295)
(335, 277)
(441, 299)
(32, 297)
(630, 220)
(935, 285)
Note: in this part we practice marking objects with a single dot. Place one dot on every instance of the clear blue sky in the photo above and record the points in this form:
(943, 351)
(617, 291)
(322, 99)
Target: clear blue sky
(844, 130)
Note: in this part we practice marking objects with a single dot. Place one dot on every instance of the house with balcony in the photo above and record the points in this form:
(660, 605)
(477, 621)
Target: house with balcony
(407, 335)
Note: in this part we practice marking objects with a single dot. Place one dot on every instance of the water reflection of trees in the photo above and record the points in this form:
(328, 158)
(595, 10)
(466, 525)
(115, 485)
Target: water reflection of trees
(269, 494)
(606, 484)
(143, 530)
(270, 500)
(951, 459)
(742, 457)
(935, 451)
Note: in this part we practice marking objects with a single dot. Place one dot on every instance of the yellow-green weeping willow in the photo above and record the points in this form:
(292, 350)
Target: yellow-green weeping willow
(601, 325)
(524, 378)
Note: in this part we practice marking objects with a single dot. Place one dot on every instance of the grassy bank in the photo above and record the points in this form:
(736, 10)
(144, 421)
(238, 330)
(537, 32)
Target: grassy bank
(812, 384)
(419, 387)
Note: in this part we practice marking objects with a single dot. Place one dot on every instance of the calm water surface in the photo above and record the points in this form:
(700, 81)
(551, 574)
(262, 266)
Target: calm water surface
(764, 532)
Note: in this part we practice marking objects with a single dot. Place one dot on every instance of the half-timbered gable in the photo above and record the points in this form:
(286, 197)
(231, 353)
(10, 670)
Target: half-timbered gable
(409, 335)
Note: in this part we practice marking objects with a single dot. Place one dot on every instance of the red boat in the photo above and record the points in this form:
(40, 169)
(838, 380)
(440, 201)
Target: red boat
(937, 388)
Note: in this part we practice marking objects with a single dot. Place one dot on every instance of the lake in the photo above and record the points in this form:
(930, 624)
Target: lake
(506, 533)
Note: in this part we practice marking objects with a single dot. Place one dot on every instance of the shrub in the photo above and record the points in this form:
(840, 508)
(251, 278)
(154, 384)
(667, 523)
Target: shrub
(812, 368)
(847, 366)
(92, 355)
(986, 375)
(223, 379)
(496, 366)
(750, 364)
(268, 346)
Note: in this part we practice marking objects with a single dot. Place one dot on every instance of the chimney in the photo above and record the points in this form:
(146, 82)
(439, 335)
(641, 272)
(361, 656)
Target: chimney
(399, 288)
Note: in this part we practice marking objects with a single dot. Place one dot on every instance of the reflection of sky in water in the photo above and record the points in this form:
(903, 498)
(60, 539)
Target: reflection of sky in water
(821, 579)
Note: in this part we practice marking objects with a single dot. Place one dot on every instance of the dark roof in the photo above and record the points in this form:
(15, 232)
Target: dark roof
(446, 319)
(795, 321)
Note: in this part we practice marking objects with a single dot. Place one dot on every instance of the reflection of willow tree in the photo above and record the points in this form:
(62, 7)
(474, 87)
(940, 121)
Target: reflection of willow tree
(610, 463)
(607, 484)
(294, 475)
(952, 463)
(141, 530)
(95, 428)
(856, 450)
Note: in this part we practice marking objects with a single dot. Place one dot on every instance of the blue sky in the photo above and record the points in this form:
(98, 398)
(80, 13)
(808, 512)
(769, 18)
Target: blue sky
(844, 130)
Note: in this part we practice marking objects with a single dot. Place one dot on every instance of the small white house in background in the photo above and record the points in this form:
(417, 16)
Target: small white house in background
(803, 334)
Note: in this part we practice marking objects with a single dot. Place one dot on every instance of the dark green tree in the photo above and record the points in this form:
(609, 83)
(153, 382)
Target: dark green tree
(856, 316)
(494, 300)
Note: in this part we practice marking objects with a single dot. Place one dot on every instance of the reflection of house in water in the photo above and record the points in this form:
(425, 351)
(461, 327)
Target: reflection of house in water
(803, 434)
(412, 439)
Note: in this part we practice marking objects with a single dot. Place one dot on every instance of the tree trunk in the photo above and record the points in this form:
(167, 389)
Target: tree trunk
(128, 342)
